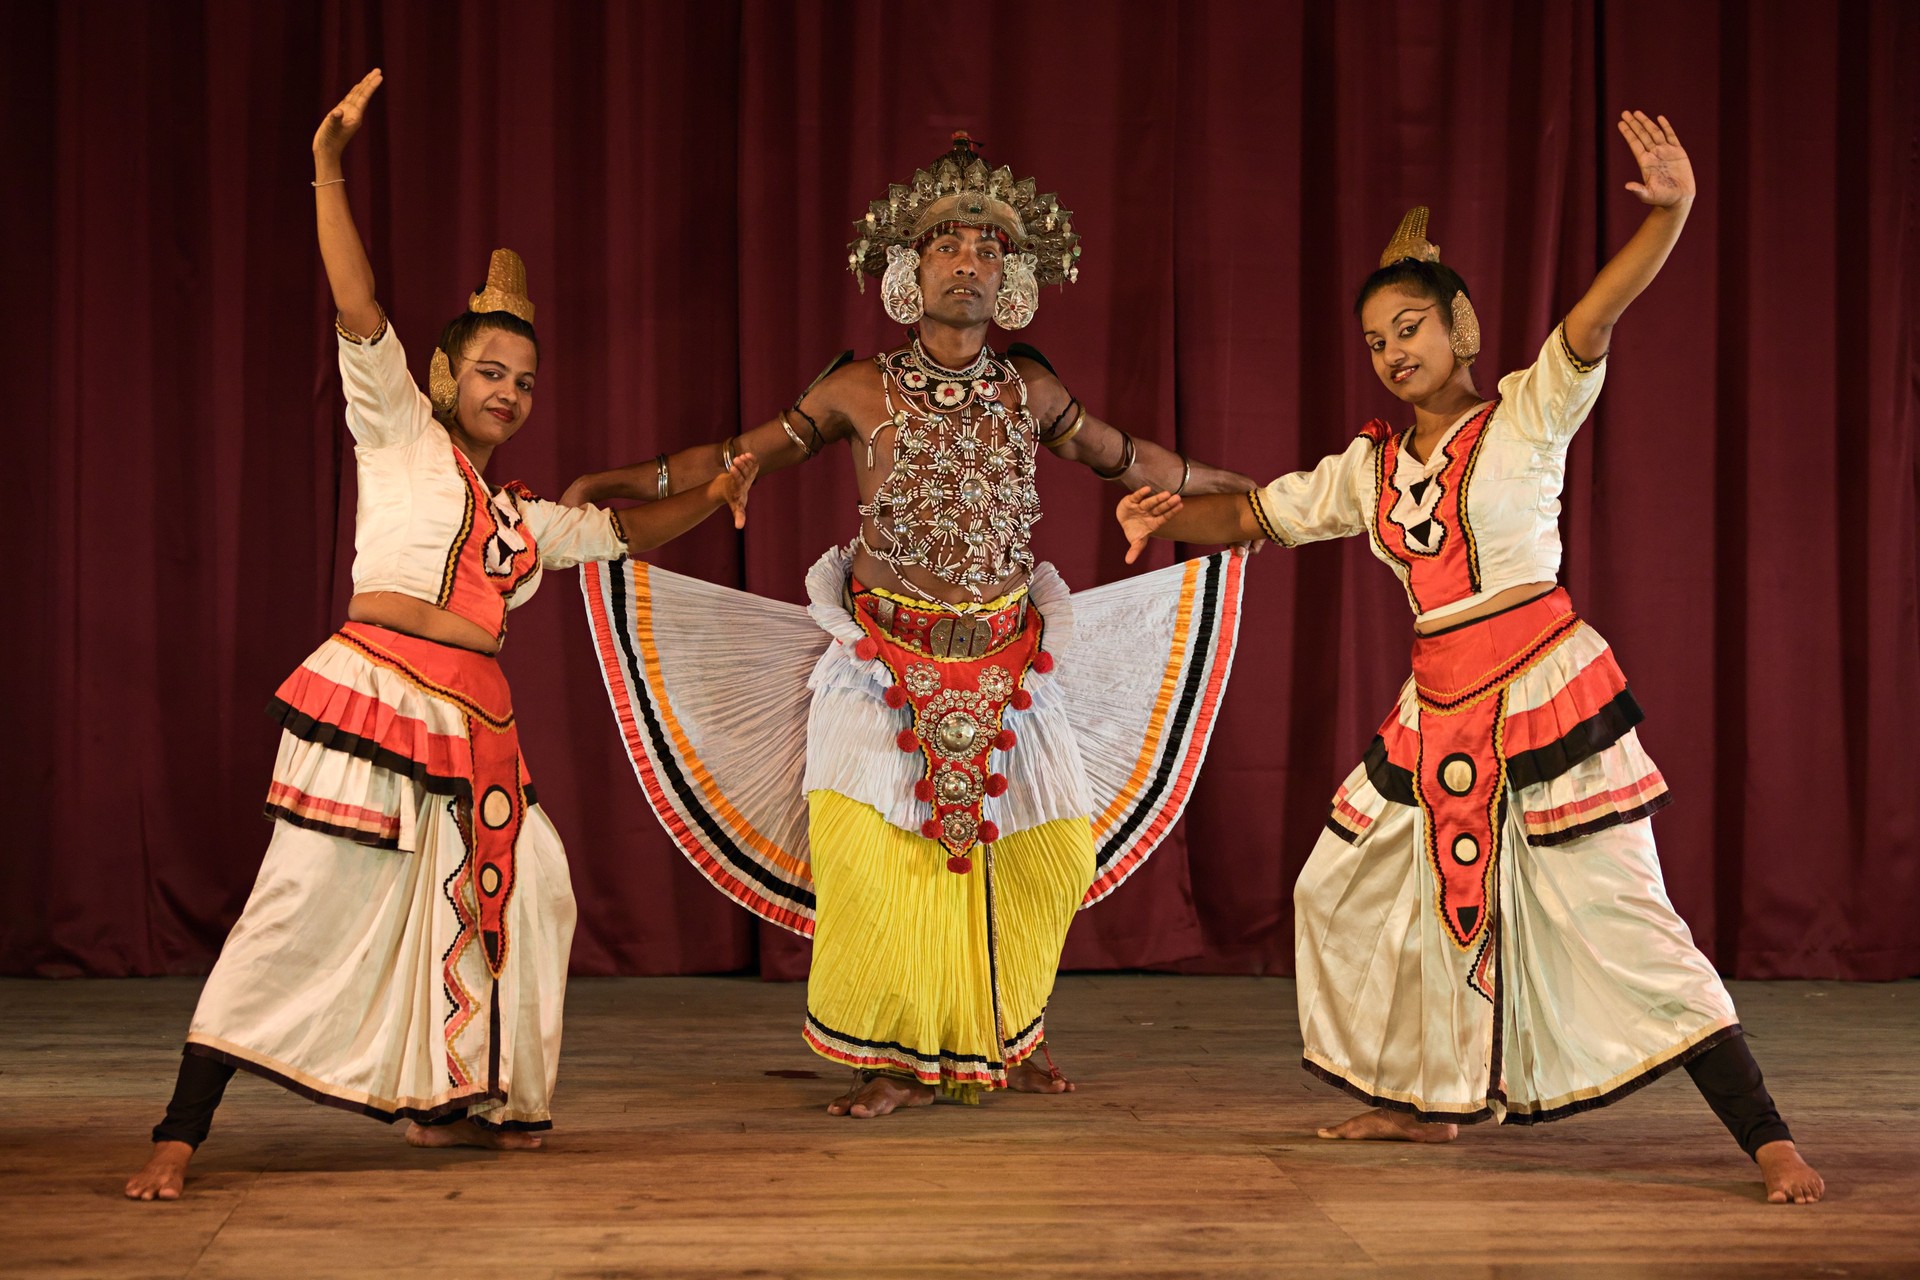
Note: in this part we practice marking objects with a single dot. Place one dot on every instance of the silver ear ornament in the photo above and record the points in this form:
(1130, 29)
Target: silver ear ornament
(1019, 294)
(900, 286)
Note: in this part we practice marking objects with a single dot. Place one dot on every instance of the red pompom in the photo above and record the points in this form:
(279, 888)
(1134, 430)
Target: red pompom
(923, 790)
(866, 648)
(996, 784)
(1043, 662)
(1005, 739)
(989, 833)
(930, 829)
(1022, 699)
(959, 864)
(895, 696)
(907, 741)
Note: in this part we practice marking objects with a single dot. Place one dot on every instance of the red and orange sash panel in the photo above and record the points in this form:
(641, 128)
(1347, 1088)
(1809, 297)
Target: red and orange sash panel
(1470, 753)
(1435, 549)
(479, 767)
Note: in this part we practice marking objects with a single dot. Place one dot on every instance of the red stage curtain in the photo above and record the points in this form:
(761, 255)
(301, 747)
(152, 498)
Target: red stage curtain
(680, 178)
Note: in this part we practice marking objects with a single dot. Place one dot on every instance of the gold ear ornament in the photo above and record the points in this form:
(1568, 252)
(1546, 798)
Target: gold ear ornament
(1464, 337)
(442, 391)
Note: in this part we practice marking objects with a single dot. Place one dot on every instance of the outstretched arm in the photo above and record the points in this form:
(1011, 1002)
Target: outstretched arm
(1113, 454)
(657, 523)
(1208, 520)
(1666, 183)
(1110, 453)
(786, 440)
(348, 272)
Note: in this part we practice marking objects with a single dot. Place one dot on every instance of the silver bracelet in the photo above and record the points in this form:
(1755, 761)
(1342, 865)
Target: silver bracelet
(329, 182)
(1186, 474)
(663, 486)
(805, 448)
(726, 454)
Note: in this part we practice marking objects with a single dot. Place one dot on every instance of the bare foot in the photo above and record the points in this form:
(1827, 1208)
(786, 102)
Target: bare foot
(465, 1133)
(164, 1176)
(1789, 1178)
(1029, 1077)
(1381, 1125)
(875, 1095)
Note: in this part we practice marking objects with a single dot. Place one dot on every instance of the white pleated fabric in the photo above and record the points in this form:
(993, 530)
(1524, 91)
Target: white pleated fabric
(332, 982)
(1586, 986)
(733, 708)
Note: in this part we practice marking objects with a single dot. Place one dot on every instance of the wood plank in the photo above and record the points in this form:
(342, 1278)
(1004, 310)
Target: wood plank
(690, 1142)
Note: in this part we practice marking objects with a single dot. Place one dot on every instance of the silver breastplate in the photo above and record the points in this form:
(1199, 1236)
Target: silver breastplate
(958, 502)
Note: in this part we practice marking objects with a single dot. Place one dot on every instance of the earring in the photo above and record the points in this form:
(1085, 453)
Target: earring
(900, 286)
(1019, 294)
(442, 391)
(1465, 337)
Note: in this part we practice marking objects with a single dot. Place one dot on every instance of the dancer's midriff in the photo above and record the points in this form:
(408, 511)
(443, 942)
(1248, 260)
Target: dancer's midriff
(1491, 605)
(416, 617)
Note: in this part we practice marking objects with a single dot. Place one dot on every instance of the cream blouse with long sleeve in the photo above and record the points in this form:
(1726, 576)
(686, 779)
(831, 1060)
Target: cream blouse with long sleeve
(427, 524)
(1508, 459)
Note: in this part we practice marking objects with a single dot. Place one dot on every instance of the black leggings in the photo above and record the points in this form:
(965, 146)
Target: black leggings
(1729, 1079)
(196, 1094)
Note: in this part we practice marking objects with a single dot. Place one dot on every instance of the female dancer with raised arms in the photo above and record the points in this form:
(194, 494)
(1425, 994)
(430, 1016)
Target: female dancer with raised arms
(404, 950)
(1482, 932)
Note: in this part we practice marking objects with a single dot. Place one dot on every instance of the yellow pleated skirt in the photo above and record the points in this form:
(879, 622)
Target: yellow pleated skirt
(921, 972)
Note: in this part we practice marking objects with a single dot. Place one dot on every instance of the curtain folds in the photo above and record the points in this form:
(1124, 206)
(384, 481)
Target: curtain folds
(680, 178)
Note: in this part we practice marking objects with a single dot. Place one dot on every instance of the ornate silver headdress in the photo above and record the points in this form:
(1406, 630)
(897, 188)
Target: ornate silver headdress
(959, 189)
(1410, 242)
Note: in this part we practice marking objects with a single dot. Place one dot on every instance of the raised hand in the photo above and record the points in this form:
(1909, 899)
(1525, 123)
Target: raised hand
(1666, 175)
(731, 486)
(1140, 513)
(331, 138)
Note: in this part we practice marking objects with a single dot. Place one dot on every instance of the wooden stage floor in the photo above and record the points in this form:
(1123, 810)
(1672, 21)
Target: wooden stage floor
(689, 1141)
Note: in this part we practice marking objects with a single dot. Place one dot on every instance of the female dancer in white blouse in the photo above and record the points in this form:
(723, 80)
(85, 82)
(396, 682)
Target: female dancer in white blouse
(1482, 932)
(404, 950)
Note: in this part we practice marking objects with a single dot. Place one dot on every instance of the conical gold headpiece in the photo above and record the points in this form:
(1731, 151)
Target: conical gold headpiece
(506, 287)
(1410, 241)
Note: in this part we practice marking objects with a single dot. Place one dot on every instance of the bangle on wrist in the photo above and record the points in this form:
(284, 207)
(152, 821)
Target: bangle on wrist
(328, 183)
(662, 482)
(1186, 474)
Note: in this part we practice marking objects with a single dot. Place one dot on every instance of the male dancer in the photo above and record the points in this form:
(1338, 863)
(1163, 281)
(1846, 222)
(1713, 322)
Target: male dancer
(952, 826)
